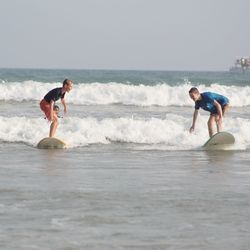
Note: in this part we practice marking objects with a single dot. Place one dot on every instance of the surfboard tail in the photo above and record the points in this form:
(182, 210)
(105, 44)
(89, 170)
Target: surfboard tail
(51, 143)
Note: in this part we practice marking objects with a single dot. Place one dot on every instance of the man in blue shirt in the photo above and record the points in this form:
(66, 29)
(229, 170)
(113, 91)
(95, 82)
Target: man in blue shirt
(216, 104)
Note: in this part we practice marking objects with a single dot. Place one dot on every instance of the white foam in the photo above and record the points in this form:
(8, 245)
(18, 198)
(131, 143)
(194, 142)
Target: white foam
(117, 93)
(172, 132)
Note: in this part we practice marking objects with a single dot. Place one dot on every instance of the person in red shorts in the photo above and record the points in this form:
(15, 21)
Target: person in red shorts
(48, 102)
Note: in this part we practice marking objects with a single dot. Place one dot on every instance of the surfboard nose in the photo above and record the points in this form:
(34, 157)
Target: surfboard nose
(221, 140)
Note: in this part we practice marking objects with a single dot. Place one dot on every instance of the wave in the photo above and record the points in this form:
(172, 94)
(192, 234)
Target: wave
(125, 94)
(170, 133)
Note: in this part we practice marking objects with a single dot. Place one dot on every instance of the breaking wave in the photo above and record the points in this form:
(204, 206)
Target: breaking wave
(171, 132)
(125, 94)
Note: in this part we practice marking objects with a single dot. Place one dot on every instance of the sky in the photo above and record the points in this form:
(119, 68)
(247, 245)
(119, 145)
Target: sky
(124, 34)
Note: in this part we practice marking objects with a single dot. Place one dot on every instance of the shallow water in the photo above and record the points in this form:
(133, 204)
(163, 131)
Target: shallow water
(116, 197)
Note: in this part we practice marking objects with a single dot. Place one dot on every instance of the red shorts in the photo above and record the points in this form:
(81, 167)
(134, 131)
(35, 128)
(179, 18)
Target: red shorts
(45, 107)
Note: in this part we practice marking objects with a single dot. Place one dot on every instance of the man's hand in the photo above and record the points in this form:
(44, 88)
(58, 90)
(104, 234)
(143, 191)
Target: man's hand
(191, 129)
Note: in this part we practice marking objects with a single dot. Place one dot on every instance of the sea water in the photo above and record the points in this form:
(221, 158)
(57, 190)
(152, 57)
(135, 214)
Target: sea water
(133, 176)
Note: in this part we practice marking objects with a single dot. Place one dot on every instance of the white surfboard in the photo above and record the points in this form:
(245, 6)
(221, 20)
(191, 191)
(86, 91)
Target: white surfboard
(51, 143)
(221, 140)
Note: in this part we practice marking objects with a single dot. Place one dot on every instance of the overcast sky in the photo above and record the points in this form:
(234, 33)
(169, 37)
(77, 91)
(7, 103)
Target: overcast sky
(124, 34)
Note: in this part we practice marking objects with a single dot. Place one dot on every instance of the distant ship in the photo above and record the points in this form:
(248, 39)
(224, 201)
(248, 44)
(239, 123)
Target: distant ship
(241, 65)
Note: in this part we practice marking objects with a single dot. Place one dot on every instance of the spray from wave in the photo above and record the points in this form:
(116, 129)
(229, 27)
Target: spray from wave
(125, 94)
(171, 132)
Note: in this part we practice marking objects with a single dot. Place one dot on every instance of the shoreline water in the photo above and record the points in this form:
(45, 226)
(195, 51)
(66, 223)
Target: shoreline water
(108, 197)
(149, 186)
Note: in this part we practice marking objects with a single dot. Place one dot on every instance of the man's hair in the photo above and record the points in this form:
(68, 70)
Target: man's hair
(66, 81)
(193, 89)
(56, 107)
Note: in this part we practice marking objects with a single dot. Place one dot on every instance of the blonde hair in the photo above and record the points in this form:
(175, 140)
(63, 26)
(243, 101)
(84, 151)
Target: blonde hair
(66, 82)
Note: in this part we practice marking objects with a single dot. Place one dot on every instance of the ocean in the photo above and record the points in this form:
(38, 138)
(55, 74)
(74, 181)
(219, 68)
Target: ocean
(133, 177)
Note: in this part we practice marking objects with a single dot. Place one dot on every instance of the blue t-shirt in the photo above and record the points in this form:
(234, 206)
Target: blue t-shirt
(207, 101)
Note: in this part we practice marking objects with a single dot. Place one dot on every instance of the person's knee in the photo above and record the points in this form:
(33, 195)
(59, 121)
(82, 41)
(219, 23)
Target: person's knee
(225, 109)
(210, 122)
(55, 118)
(55, 121)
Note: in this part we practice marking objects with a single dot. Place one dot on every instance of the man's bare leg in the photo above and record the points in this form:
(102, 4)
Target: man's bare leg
(53, 126)
(211, 123)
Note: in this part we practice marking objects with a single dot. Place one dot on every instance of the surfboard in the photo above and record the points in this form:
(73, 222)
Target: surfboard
(221, 140)
(51, 143)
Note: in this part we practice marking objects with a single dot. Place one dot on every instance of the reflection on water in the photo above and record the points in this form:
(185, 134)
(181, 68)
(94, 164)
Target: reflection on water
(219, 156)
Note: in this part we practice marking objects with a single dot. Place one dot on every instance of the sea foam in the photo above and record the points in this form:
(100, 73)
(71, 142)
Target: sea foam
(125, 94)
(171, 132)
